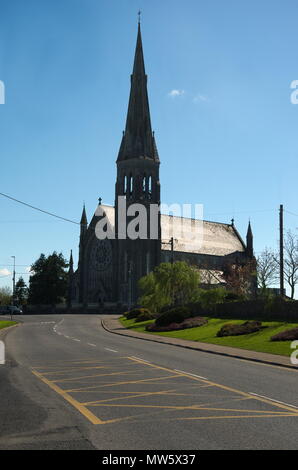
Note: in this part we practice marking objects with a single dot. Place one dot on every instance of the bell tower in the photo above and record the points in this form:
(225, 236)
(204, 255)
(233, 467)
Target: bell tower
(137, 189)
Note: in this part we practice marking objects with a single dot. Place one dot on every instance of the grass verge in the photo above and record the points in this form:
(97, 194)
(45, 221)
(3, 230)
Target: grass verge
(258, 341)
(5, 324)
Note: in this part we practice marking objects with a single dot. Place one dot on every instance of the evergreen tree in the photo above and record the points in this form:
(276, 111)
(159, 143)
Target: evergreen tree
(49, 280)
(21, 292)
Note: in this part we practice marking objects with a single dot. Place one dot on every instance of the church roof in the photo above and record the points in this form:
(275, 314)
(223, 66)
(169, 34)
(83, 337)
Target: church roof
(138, 140)
(204, 237)
(194, 236)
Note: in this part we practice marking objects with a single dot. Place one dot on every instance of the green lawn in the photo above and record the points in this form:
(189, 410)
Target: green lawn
(5, 324)
(259, 341)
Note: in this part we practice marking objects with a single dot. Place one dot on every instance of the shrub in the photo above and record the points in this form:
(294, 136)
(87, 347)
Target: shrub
(233, 297)
(175, 315)
(144, 316)
(210, 297)
(135, 312)
(231, 329)
(288, 335)
(188, 323)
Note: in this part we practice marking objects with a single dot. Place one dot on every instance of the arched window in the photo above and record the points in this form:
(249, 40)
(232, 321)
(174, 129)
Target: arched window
(125, 185)
(144, 183)
(130, 184)
(150, 186)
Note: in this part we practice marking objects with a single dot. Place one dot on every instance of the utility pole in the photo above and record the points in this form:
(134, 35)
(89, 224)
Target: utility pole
(13, 279)
(281, 249)
(171, 242)
(172, 250)
(129, 284)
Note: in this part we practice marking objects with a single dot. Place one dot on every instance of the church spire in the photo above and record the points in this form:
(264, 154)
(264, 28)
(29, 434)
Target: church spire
(138, 140)
(71, 263)
(249, 241)
(84, 217)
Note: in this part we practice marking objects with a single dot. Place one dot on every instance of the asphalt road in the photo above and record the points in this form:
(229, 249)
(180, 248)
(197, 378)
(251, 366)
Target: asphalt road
(69, 384)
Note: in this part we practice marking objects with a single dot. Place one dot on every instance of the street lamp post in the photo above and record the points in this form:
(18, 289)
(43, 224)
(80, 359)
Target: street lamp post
(13, 283)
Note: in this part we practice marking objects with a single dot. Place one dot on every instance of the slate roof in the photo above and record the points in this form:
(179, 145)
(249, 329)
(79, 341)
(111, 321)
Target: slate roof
(204, 237)
(193, 236)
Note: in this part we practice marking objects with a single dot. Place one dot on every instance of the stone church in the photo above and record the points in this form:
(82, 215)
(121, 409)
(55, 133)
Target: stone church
(109, 269)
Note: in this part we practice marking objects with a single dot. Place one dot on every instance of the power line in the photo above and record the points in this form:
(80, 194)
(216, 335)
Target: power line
(38, 209)
(292, 213)
(20, 265)
(239, 212)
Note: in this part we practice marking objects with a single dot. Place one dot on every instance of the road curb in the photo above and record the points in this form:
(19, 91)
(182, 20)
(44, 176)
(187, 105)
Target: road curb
(208, 351)
(7, 328)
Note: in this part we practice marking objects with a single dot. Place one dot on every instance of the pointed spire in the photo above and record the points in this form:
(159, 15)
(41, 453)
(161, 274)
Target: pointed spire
(249, 230)
(138, 140)
(84, 216)
(249, 241)
(71, 263)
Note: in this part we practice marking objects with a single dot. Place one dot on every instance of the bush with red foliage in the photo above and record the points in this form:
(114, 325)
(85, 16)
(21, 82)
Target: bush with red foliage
(287, 335)
(187, 323)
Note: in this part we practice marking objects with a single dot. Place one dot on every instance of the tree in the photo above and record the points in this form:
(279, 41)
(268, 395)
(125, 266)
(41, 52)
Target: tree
(240, 279)
(267, 269)
(21, 292)
(210, 297)
(49, 280)
(291, 260)
(5, 295)
(170, 284)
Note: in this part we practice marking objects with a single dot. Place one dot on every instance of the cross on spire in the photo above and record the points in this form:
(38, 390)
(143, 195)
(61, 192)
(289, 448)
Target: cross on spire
(139, 15)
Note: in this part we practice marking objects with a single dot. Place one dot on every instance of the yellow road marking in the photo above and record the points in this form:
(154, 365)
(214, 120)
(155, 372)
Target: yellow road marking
(223, 387)
(139, 394)
(204, 383)
(79, 379)
(190, 407)
(237, 417)
(81, 408)
(77, 361)
(121, 383)
(73, 369)
(85, 368)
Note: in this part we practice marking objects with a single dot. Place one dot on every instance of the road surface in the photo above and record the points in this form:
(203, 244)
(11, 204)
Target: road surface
(69, 384)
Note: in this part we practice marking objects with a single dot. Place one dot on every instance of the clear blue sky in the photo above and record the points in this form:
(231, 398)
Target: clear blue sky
(227, 137)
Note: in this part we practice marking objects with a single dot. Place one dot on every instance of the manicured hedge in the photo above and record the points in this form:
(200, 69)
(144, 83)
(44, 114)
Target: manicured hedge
(275, 310)
(174, 315)
(136, 312)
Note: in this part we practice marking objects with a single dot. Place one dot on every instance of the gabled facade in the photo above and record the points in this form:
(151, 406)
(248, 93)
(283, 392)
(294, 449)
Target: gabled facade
(109, 269)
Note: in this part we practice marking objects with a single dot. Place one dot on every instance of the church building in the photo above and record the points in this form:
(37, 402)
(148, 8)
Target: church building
(109, 268)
